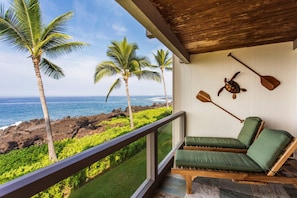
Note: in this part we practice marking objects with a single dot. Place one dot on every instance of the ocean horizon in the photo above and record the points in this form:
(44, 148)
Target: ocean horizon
(14, 110)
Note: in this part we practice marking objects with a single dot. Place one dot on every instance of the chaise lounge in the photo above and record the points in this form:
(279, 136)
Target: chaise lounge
(260, 164)
(251, 128)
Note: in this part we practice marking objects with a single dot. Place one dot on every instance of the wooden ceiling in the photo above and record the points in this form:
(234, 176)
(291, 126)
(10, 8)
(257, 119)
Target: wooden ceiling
(200, 26)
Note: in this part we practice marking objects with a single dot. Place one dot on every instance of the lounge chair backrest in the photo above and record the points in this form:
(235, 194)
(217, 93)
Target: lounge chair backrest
(267, 148)
(249, 130)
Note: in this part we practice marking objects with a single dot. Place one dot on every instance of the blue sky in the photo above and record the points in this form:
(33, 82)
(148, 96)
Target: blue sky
(97, 22)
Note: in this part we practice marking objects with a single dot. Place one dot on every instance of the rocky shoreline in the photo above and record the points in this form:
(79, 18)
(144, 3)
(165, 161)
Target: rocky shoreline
(33, 132)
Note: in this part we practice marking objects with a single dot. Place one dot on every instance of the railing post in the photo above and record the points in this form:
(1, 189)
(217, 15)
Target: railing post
(183, 126)
(152, 155)
(178, 131)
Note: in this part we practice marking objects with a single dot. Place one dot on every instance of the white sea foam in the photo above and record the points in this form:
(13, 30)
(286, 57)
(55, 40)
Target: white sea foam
(15, 124)
(160, 99)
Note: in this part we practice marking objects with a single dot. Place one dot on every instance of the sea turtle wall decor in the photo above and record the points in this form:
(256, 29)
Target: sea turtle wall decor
(232, 86)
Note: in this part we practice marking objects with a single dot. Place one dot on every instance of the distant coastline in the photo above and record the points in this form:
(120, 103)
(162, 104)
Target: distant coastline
(33, 132)
(15, 110)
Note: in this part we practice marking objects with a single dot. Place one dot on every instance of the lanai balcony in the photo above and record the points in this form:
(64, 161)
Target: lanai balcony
(201, 34)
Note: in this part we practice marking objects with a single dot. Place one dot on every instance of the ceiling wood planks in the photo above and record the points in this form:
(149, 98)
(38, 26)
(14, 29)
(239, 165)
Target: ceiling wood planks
(212, 25)
(192, 27)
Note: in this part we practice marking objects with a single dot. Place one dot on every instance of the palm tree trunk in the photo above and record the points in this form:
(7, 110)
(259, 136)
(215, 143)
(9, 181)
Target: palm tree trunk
(50, 142)
(129, 105)
(163, 79)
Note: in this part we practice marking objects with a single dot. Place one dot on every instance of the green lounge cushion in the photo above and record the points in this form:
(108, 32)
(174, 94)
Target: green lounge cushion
(245, 137)
(216, 160)
(214, 142)
(249, 130)
(268, 146)
(261, 155)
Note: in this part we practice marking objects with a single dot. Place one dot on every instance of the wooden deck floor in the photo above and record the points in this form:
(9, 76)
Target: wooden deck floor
(174, 187)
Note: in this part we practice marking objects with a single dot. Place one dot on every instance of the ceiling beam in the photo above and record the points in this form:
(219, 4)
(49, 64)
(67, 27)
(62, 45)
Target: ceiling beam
(151, 19)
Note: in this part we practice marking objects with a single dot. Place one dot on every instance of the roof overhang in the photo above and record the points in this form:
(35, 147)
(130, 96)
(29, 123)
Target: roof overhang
(150, 18)
(192, 27)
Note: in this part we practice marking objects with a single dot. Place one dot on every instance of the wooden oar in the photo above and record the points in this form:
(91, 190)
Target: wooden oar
(268, 82)
(204, 97)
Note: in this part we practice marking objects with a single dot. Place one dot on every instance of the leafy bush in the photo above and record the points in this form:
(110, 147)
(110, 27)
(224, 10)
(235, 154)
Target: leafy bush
(20, 162)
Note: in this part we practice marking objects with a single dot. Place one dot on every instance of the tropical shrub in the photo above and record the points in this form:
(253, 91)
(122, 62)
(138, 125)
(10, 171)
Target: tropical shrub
(20, 162)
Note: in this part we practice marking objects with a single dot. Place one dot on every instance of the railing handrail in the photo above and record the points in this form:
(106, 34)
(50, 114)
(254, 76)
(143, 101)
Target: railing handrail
(32, 183)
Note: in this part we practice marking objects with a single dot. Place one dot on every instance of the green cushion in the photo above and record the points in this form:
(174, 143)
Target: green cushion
(214, 142)
(245, 137)
(249, 130)
(268, 146)
(216, 160)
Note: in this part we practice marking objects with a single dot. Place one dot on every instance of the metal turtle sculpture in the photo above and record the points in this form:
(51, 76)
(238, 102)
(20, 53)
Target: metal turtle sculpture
(232, 86)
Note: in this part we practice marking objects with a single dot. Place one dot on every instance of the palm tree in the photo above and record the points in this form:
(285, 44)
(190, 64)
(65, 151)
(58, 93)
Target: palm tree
(164, 63)
(125, 63)
(22, 27)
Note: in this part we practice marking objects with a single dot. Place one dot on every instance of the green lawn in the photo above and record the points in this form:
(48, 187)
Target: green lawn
(123, 180)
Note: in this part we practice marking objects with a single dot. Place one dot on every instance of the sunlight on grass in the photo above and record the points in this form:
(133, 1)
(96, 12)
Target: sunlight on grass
(123, 180)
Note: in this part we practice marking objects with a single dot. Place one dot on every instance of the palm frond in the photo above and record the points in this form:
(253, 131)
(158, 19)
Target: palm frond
(138, 63)
(28, 13)
(57, 25)
(115, 85)
(52, 41)
(168, 62)
(144, 61)
(104, 69)
(115, 52)
(11, 30)
(134, 65)
(124, 61)
(153, 66)
(50, 69)
(122, 52)
(148, 75)
(163, 60)
(34, 14)
(63, 48)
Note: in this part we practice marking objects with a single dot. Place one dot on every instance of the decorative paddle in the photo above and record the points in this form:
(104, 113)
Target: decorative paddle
(204, 97)
(268, 82)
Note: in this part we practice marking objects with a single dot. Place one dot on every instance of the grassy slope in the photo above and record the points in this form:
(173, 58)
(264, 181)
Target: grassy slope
(123, 180)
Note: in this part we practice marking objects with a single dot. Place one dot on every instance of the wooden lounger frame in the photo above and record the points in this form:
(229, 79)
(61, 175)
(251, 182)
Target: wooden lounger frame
(242, 177)
(233, 150)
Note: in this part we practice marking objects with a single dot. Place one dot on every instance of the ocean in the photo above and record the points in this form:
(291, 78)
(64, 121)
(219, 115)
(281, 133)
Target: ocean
(16, 110)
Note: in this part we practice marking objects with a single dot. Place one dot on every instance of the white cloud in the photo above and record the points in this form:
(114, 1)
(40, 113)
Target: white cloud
(17, 75)
(119, 29)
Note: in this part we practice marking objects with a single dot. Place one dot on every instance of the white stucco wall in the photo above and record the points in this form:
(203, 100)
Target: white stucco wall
(207, 72)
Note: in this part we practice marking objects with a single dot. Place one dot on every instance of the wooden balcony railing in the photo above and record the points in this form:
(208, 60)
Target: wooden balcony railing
(32, 183)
